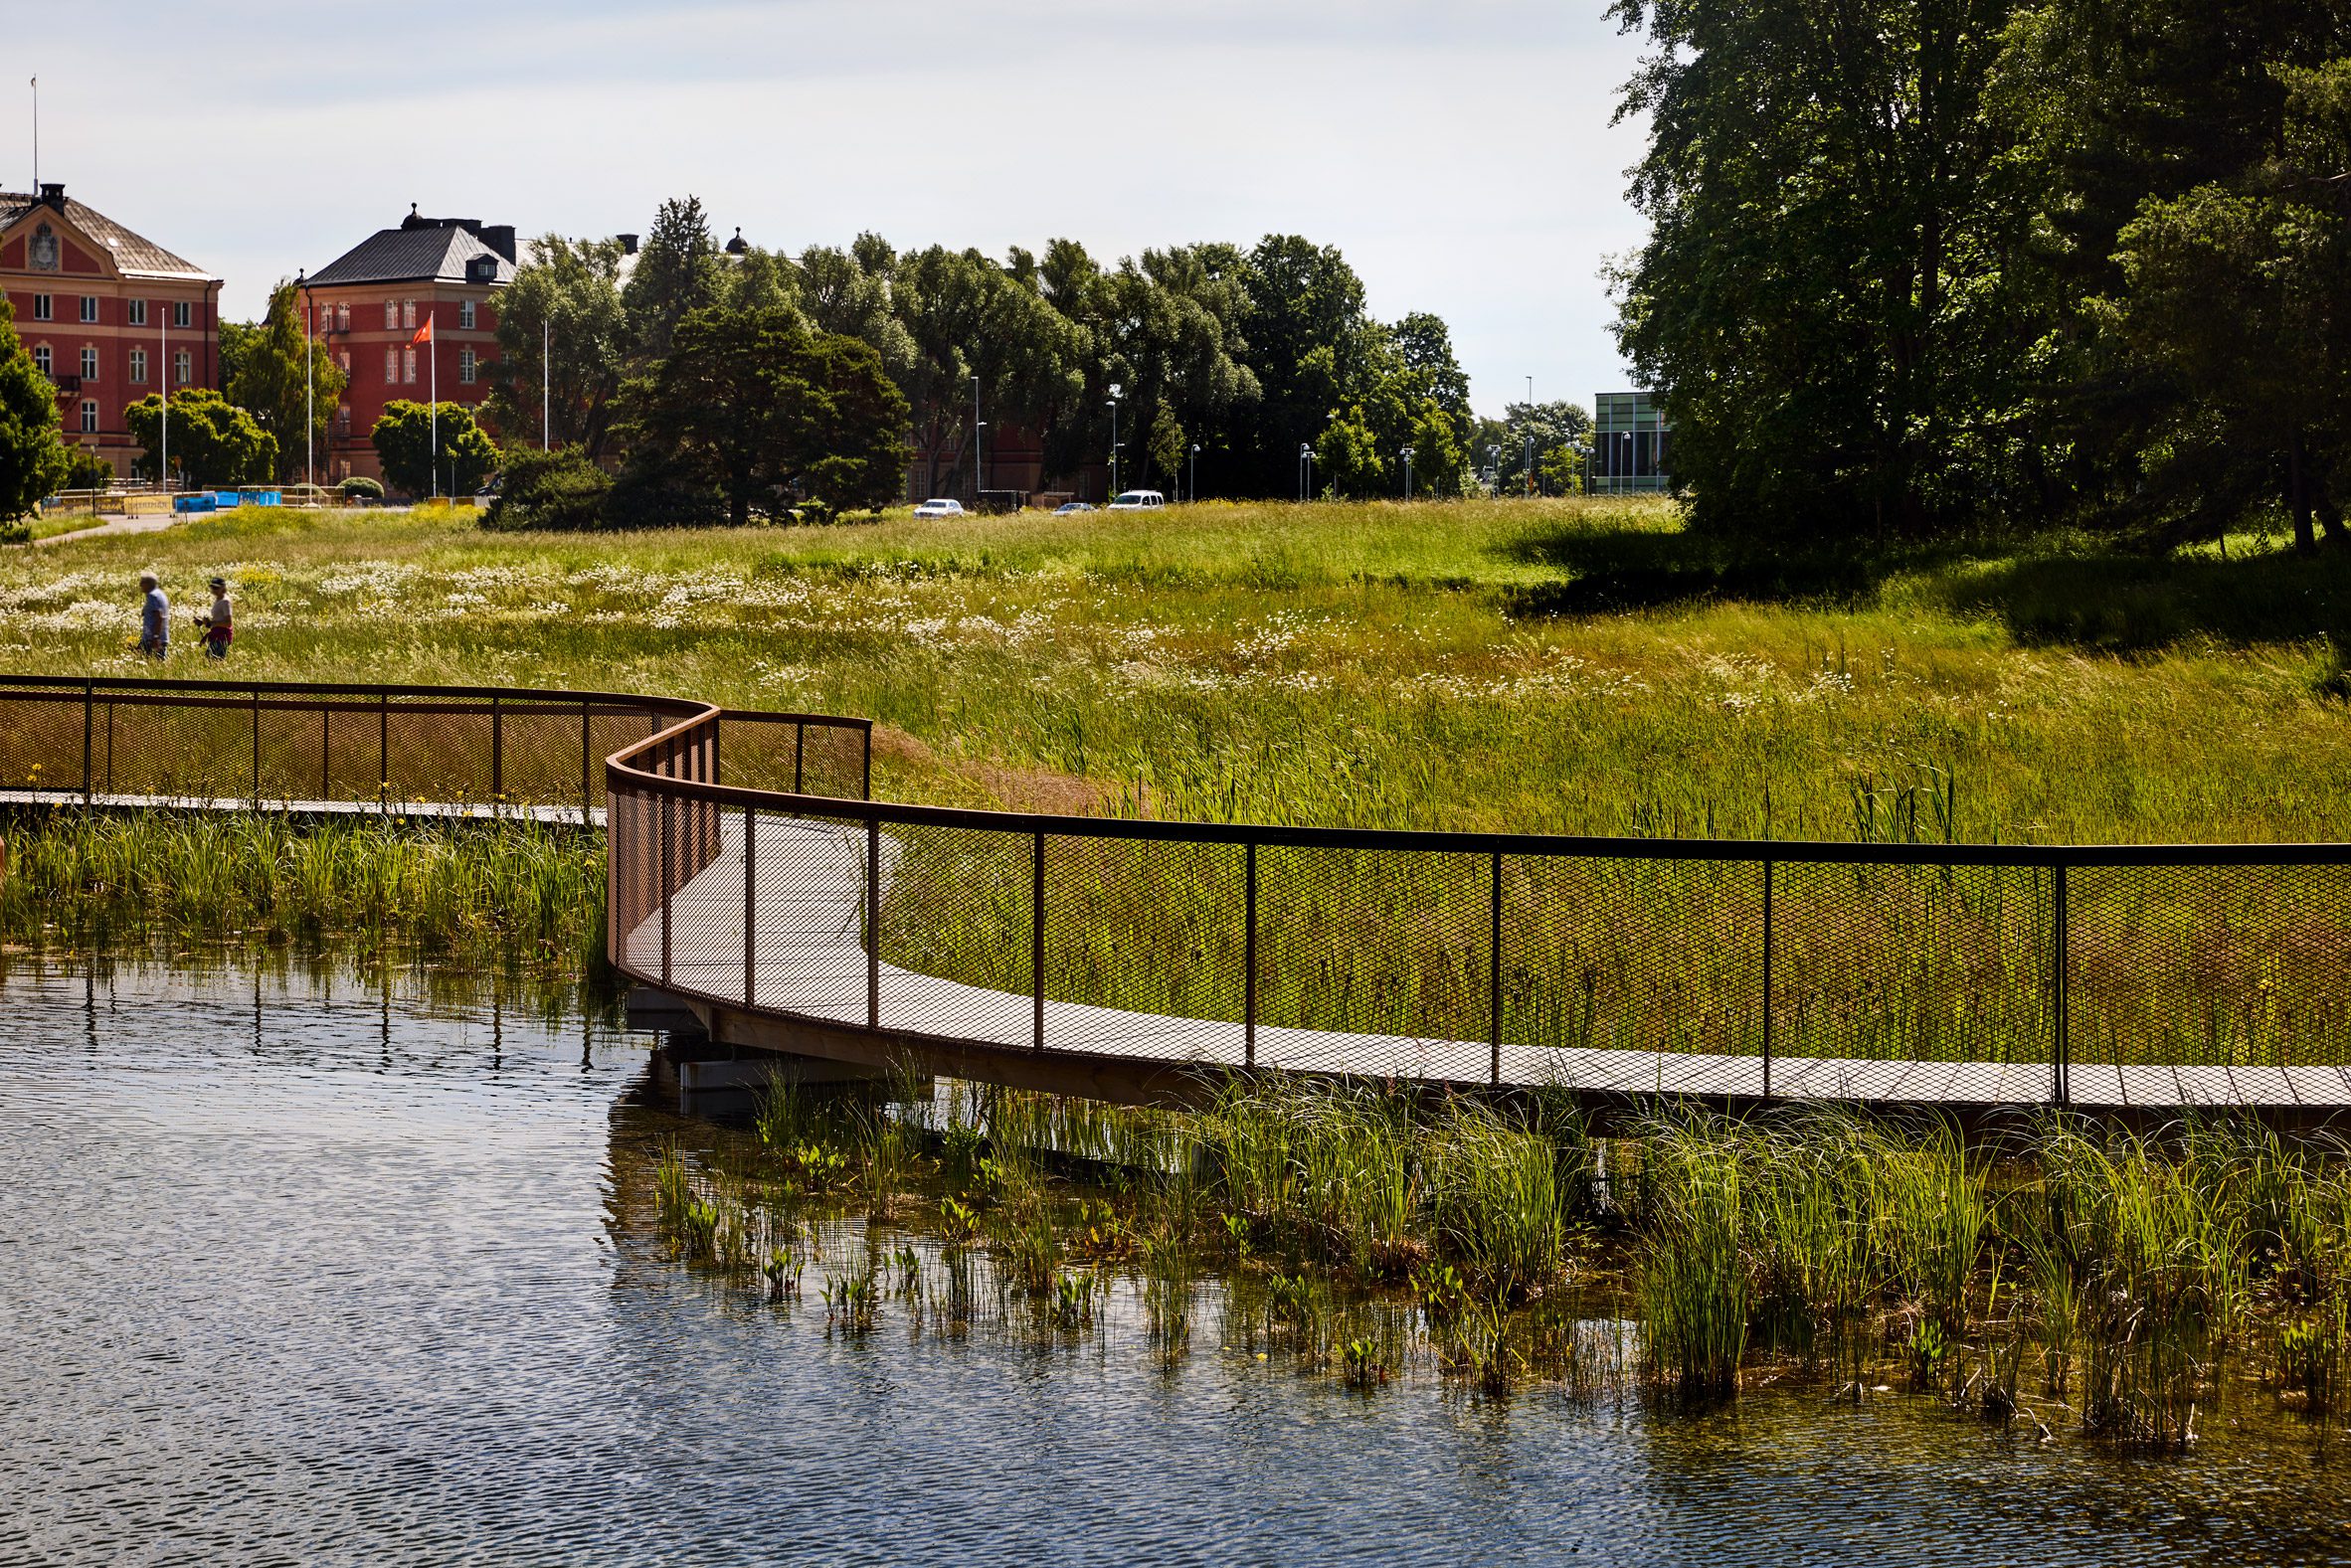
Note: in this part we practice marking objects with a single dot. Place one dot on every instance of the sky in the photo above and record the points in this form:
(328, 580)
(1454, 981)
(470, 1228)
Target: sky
(1460, 155)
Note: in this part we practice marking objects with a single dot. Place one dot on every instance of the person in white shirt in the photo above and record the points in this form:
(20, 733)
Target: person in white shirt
(215, 624)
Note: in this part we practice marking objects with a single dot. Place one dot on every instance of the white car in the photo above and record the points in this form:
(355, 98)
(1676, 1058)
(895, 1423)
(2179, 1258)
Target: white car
(940, 507)
(1137, 502)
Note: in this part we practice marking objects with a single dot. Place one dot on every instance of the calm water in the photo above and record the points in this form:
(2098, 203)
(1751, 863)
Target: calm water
(296, 1271)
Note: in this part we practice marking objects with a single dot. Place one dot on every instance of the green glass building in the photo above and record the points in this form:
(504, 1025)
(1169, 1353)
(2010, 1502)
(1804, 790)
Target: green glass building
(1629, 443)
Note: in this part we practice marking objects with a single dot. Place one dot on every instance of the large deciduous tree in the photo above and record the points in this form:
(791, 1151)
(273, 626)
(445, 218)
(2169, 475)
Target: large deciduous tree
(213, 441)
(563, 340)
(752, 405)
(33, 460)
(286, 380)
(432, 448)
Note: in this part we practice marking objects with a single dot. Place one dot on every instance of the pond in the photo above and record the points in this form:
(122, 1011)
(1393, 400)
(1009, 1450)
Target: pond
(299, 1265)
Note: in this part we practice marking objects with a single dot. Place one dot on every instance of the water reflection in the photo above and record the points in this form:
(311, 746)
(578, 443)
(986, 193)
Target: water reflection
(301, 1263)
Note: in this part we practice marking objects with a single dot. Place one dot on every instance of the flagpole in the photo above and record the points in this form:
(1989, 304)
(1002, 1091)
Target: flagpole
(546, 396)
(432, 358)
(309, 411)
(164, 379)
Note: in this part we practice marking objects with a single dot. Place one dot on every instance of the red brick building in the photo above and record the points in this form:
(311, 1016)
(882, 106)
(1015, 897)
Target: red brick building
(367, 305)
(110, 315)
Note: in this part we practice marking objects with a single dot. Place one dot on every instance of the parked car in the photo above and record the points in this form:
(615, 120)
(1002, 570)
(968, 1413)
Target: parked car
(1069, 508)
(1136, 500)
(940, 507)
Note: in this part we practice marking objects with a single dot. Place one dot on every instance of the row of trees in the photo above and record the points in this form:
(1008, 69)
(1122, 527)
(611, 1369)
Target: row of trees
(1243, 353)
(1922, 264)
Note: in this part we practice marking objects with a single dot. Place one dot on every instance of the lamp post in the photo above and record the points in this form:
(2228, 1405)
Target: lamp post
(1528, 458)
(1114, 440)
(310, 393)
(1306, 469)
(1196, 470)
(1493, 466)
(978, 451)
(1407, 474)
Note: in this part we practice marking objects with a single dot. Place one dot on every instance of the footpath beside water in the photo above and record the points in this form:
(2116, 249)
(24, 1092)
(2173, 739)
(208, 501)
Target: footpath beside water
(318, 1266)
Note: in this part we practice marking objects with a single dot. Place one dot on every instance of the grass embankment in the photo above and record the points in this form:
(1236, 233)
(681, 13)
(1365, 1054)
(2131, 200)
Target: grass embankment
(2124, 1289)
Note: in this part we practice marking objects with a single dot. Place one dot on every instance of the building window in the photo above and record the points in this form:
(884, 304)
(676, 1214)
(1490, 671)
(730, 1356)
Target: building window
(343, 419)
(41, 310)
(342, 319)
(391, 367)
(182, 367)
(343, 360)
(138, 312)
(391, 315)
(407, 313)
(90, 307)
(408, 366)
(182, 314)
(88, 363)
(89, 415)
(41, 358)
(465, 316)
(465, 367)
(138, 367)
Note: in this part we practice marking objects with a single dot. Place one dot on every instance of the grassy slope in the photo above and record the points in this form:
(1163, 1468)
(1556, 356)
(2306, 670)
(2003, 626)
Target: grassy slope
(1505, 665)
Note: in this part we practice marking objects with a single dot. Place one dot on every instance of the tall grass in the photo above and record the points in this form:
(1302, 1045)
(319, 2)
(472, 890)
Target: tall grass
(520, 890)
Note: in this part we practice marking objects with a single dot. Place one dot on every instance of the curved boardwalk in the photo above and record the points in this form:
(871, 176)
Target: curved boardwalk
(753, 879)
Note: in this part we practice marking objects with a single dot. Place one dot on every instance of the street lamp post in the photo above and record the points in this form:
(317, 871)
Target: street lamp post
(310, 393)
(1196, 470)
(1493, 466)
(1530, 454)
(978, 448)
(1306, 469)
(1114, 440)
(1407, 474)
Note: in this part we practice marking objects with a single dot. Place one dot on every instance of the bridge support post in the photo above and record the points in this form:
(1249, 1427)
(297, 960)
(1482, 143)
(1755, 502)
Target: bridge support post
(2061, 1025)
(1769, 879)
(1036, 938)
(1494, 965)
(257, 748)
(873, 922)
(88, 727)
(497, 755)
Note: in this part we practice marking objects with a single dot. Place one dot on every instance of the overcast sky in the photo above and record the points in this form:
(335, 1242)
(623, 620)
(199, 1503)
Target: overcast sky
(1460, 154)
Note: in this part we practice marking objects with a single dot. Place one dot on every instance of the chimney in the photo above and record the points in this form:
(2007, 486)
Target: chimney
(627, 243)
(499, 237)
(52, 194)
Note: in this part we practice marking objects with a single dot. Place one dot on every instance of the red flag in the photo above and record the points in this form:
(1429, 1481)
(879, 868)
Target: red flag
(424, 333)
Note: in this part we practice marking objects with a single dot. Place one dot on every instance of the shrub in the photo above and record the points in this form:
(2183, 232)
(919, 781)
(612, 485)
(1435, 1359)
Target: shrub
(361, 488)
(86, 470)
(652, 492)
(561, 489)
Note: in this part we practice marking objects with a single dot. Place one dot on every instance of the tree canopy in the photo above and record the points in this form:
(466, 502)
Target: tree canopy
(33, 457)
(281, 379)
(404, 441)
(569, 292)
(212, 440)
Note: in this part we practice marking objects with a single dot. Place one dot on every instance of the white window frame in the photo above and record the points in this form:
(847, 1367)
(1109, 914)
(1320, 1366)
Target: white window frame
(138, 367)
(42, 360)
(465, 366)
(465, 316)
(183, 368)
(89, 309)
(408, 315)
(90, 417)
(43, 308)
(391, 365)
(89, 362)
(183, 315)
(138, 312)
(408, 366)
(391, 315)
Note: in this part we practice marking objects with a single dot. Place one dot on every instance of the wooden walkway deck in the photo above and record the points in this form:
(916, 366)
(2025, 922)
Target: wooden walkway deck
(808, 982)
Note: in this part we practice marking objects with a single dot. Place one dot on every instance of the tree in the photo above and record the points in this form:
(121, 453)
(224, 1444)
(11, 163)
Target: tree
(279, 378)
(404, 442)
(559, 488)
(677, 273)
(1556, 434)
(1347, 459)
(32, 454)
(1823, 303)
(1303, 328)
(967, 316)
(1440, 464)
(213, 441)
(753, 407)
(571, 293)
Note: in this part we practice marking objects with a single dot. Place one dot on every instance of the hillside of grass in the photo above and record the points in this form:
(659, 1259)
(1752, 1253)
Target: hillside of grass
(1555, 666)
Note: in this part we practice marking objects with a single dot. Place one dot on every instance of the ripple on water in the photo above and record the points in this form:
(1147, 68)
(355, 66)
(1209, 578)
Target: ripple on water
(295, 1269)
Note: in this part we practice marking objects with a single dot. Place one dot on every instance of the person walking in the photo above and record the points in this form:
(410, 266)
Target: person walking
(154, 619)
(214, 625)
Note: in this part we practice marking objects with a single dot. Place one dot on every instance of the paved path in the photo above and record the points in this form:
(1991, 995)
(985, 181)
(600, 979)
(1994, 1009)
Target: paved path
(807, 960)
(122, 525)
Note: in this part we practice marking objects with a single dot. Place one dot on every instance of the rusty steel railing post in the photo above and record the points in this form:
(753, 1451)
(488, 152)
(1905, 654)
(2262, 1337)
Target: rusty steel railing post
(257, 748)
(88, 726)
(661, 881)
(1494, 965)
(326, 751)
(1249, 953)
(384, 751)
(1768, 1008)
(587, 790)
(873, 922)
(750, 905)
(800, 756)
(1036, 940)
(497, 755)
(2060, 1023)
(865, 786)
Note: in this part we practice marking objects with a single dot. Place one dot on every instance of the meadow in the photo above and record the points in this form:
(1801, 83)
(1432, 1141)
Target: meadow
(1571, 666)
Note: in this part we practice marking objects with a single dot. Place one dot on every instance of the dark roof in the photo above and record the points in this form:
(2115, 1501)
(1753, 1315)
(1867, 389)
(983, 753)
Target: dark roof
(412, 253)
(135, 255)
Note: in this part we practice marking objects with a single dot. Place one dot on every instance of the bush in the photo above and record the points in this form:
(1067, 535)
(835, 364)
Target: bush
(652, 492)
(561, 489)
(361, 488)
(86, 470)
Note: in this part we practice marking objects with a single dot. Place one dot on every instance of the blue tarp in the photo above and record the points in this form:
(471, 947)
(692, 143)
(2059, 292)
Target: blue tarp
(200, 501)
